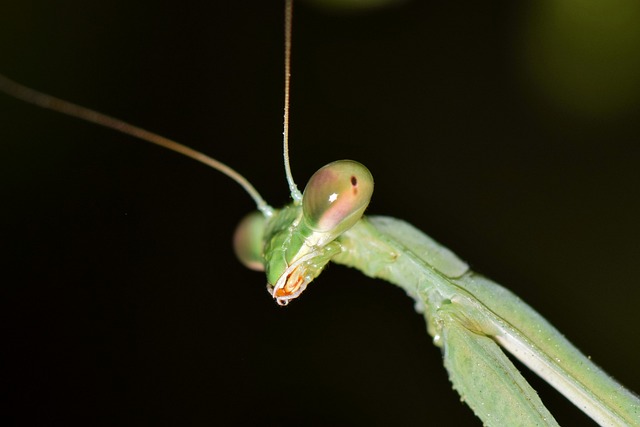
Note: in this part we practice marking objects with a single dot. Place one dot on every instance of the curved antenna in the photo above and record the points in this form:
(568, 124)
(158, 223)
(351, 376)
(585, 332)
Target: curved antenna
(43, 100)
(293, 189)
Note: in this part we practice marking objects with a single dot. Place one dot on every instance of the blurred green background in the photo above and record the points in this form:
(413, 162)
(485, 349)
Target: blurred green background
(507, 131)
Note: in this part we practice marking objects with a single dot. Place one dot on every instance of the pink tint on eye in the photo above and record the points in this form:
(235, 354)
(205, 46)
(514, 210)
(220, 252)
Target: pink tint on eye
(336, 192)
(338, 209)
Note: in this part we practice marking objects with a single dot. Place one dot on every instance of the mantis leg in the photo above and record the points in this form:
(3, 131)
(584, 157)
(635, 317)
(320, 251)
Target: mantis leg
(473, 318)
(487, 380)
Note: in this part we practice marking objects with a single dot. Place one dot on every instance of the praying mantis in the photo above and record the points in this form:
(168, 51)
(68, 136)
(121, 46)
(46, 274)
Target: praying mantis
(298, 335)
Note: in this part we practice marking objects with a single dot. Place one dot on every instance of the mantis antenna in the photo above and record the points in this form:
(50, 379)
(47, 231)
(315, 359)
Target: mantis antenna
(43, 100)
(288, 13)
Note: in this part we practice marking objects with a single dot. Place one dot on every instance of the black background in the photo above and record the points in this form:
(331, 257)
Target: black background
(122, 300)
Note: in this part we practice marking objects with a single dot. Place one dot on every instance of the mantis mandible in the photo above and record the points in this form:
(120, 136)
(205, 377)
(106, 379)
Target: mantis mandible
(317, 286)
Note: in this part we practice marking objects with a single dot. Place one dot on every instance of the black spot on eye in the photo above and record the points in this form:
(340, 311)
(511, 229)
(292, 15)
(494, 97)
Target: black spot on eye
(354, 181)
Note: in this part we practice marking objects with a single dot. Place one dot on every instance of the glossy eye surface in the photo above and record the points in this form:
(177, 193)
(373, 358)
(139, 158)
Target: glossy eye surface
(336, 196)
(248, 241)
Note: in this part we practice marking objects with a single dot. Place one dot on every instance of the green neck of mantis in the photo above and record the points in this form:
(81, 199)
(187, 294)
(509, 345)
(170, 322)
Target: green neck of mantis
(471, 317)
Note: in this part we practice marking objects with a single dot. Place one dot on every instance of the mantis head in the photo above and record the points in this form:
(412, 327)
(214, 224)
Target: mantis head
(294, 244)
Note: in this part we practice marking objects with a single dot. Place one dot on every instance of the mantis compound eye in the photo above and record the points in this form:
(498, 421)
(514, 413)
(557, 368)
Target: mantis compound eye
(336, 196)
(247, 241)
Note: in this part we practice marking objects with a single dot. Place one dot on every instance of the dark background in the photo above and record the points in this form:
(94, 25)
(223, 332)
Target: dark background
(122, 302)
